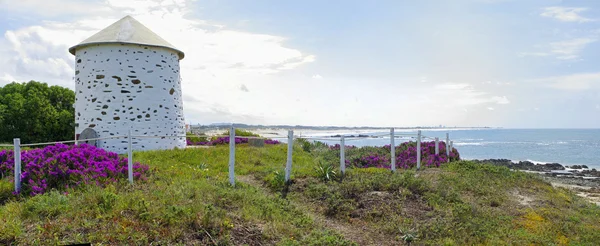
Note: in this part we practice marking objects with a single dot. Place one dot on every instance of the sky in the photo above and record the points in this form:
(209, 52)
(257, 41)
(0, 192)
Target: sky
(401, 63)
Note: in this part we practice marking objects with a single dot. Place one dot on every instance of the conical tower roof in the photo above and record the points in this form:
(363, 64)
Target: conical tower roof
(130, 31)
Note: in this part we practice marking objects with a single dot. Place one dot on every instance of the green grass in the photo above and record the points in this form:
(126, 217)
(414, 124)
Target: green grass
(188, 200)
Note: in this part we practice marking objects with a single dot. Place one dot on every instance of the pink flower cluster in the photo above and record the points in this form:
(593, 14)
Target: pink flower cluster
(406, 156)
(63, 166)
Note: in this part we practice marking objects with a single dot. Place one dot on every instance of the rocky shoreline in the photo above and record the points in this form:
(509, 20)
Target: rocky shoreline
(583, 181)
(579, 175)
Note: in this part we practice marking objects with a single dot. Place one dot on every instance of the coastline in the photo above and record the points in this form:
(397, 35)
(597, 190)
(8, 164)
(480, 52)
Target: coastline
(585, 182)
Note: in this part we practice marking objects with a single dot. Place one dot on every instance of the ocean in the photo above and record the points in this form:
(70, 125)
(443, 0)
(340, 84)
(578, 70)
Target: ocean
(564, 146)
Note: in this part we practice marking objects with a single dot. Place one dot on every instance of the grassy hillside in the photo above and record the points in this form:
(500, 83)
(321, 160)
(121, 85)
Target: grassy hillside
(187, 200)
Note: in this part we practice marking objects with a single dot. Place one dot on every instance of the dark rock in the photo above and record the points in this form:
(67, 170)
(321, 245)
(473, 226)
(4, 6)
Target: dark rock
(578, 174)
(256, 142)
(523, 165)
(592, 173)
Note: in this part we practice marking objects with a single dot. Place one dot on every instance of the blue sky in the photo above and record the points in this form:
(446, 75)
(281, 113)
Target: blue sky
(508, 63)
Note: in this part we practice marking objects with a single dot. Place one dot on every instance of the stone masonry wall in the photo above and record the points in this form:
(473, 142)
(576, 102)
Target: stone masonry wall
(127, 86)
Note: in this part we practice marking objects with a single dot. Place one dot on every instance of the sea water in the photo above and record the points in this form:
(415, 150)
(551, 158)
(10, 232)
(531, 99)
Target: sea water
(564, 146)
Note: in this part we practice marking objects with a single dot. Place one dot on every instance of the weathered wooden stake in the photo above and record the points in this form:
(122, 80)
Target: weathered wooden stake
(342, 155)
(17, 168)
(437, 146)
(419, 150)
(393, 149)
(232, 156)
(129, 158)
(288, 166)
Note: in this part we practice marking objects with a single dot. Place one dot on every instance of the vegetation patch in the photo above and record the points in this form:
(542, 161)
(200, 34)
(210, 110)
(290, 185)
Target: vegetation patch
(36, 112)
(241, 138)
(63, 166)
(188, 200)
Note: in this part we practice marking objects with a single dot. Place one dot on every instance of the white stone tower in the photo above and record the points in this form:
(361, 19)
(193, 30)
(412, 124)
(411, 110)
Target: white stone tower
(127, 78)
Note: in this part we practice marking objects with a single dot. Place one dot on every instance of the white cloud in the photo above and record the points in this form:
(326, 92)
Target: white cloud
(566, 14)
(580, 81)
(56, 8)
(490, 109)
(451, 86)
(463, 94)
(317, 76)
(538, 54)
(570, 49)
(500, 100)
(563, 50)
(499, 83)
(6, 78)
(217, 58)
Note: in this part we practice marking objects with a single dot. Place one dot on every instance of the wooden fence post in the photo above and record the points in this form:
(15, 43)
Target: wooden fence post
(419, 150)
(288, 166)
(232, 156)
(17, 168)
(437, 146)
(342, 155)
(129, 158)
(393, 149)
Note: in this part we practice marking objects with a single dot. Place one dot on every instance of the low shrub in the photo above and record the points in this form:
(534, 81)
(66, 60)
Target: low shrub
(380, 157)
(242, 133)
(276, 180)
(325, 171)
(196, 138)
(62, 166)
(225, 140)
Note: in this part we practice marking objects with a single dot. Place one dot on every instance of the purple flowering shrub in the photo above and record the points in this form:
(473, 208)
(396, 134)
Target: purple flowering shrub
(62, 166)
(338, 146)
(380, 157)
(7, 162)
(225, 140)
(271, 141)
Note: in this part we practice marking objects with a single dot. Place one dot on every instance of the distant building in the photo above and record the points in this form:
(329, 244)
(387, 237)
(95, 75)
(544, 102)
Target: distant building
(127, 78)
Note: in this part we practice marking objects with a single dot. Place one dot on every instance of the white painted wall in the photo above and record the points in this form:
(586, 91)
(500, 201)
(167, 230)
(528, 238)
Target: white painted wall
(120, 87)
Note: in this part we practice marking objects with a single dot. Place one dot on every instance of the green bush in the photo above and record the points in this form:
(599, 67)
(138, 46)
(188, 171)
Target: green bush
(242, 133)
(6, 189)
(276, 180)
(325, 171)
(36, 112)
(196, 138)
(46, 206)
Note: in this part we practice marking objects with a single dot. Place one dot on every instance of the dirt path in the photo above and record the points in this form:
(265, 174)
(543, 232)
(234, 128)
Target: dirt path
(362, 235)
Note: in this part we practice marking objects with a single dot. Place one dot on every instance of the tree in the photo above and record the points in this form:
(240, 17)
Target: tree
(36, 112)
